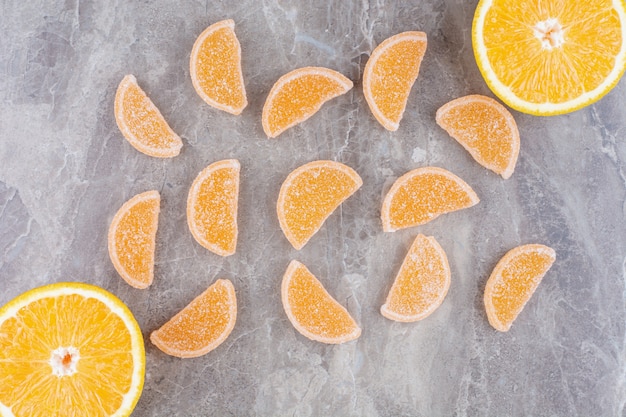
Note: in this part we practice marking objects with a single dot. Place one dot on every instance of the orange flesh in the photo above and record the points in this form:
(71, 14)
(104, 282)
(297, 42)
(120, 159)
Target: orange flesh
(423, 198)
(422, 282)
(393, 75)
(218, 68)
(134, 240)
(483, 130)
(104, 346)
(314, 309)
(67, 359)
(202, 322)
(145, 122)
(592, 40)
(517, 283)
(311, 197)
(215, 209)
(299, 99)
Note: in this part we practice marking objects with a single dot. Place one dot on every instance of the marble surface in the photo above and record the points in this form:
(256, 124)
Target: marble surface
(65, 169)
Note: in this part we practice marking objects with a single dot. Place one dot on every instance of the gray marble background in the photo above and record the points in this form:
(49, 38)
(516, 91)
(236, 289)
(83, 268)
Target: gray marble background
(65, 169)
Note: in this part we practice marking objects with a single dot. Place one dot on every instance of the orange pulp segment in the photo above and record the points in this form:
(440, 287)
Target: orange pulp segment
(551, 56)
(310, 194)
(212, 207)
(422, 195)
(132, 236)
(202, 325)
(312, 311)
(142, 124)
(389, 75)
(513, 281)
(298, 95)
(421, 284)
(215, 68)
(485, 128)
(69, 349)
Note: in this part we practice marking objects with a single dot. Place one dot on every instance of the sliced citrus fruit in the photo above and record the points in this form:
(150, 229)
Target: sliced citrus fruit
(298, 95)
(513, 281)
(485, 128)
(142, 124)
(389, 75)
(69, 349)
(132, 236)
(215, 68)
(422, 195)
(312, 311)
(202, 325)
(421, 284)
(310, 194)
(212, 207)
(553, 56)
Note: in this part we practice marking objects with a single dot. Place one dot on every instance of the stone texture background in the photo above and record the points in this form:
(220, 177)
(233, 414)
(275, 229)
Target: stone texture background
(65, 169)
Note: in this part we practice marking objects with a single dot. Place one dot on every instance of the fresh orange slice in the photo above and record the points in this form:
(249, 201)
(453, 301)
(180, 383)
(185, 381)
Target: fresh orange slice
(310, 194)
(132, 236)
(421, 284)
(212, 207)
(422, 195)
(389, 75)
(513, 281)
(69, 349)
(202, 325)
(298, 95)
(312, 311)
(142, 124)
(550, 56)
(215, 68)
(485, 128)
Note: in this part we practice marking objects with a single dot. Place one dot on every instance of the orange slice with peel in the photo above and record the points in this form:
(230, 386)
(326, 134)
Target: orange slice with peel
(312, 311)
(513, 281)
(298, 95)
(422, 195)
(390, 74)
(485, 128)
(212, 207)
(215, 68)
(141, 122)
(551, 56)
(421, 284)
(310, 194)
(132, 236)
(202, 325)
(69, 349)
